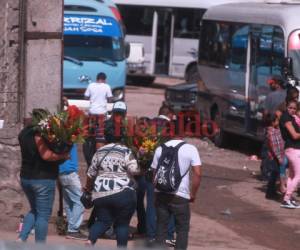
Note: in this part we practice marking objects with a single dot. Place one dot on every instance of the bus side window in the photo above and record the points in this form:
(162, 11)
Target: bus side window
(214, 43)
(278, 51)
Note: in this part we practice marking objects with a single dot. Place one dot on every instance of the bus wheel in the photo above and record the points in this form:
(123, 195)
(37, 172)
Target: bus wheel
(192, 74)
(220, 138)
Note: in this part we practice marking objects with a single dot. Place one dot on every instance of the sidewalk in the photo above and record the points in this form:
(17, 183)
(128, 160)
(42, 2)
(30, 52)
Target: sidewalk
(205, 234)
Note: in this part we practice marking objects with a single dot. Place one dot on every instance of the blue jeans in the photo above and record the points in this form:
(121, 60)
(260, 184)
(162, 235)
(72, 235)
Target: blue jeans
(71, 189)
(114, 209)
(145, 186)
(40, 194)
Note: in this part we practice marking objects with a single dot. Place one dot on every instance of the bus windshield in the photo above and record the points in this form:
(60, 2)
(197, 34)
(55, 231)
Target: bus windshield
(294, 51)
(94, 48)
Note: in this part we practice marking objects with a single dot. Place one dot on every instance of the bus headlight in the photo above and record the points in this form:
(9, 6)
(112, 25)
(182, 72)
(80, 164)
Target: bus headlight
(118, 94)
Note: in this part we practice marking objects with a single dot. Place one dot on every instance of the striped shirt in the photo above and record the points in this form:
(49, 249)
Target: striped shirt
(113, 173)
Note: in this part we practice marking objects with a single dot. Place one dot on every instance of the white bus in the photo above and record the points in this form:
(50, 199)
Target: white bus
(241, 47)
(169, 30)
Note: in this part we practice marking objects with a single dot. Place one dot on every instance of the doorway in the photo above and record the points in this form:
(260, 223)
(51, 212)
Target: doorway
(162, 57)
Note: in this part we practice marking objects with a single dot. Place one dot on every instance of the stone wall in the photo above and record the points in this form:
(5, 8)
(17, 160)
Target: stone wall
(30, 77)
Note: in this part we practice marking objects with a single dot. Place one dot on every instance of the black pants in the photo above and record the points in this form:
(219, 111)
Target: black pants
(167, 204)
(274, 174)
(114, 209)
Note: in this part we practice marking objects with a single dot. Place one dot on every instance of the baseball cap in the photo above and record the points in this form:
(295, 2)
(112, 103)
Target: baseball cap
(119, 107)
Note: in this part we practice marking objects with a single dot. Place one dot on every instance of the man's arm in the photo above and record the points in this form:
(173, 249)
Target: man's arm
(196, 179)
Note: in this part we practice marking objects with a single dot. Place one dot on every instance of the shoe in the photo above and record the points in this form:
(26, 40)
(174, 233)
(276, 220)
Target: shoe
(171, 243)
(76, 236)
(294, 202)
(288, 204)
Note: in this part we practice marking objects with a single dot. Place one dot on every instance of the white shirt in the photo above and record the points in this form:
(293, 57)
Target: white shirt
(98, 93)
(188, 156)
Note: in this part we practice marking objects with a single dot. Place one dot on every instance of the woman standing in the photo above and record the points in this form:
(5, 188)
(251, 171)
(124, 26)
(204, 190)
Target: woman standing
(291, 135)
(109, 179)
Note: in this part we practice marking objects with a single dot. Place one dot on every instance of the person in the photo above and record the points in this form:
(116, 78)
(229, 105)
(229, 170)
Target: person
(276, 154)
(291, 135)
(113, 191)
(71, 191)
(147, 218)
(99, 93)
(276, 96)
(177, 203)
(39, 170)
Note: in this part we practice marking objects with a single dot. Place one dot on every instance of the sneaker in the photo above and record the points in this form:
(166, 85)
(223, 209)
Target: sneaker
(171, 243)
(76, 236)
(294, 202)
(287, 204)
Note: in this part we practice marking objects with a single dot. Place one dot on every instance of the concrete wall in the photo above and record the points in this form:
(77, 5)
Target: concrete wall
(30, 77)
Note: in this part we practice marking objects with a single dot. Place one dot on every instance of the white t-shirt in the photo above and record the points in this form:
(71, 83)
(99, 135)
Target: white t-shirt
(188, 156)
(98, 94)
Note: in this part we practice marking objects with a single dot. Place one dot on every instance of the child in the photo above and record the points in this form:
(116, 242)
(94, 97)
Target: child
(275, 145)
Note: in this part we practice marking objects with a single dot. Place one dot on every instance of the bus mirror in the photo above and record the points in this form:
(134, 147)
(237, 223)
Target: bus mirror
(127, 49)
(288, 66)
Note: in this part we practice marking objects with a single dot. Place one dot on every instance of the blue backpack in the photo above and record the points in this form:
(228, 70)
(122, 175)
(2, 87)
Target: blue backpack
(168, 177)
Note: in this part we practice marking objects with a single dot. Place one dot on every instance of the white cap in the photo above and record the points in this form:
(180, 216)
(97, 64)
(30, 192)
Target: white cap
(119, 107)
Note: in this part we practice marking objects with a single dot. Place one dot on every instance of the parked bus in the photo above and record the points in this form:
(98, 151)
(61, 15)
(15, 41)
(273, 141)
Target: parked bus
(241, 46)
(93, 42)
(169, 31)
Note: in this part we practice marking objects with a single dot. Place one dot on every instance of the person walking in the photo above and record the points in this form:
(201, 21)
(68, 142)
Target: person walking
(39, 170)
(113, 189)
(177, 202)
(99, 93)
(71, 191)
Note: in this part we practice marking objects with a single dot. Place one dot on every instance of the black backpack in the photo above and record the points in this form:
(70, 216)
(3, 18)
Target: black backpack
(168, 177)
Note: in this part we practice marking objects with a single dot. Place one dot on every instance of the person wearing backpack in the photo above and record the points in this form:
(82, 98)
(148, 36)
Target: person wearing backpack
(172, 163)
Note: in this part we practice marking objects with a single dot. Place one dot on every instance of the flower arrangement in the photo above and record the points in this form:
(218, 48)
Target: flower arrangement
(60, 130)
(144, 142)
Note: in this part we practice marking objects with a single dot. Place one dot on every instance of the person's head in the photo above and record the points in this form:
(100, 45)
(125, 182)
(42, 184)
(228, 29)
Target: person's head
(119, 109)
(166, 111)
(292, 94)
(291, 107)
(101, 77)
(272, 120)
(276, 82)
(111, 134)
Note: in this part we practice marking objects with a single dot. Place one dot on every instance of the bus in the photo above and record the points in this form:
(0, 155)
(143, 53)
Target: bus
(241, 47)
(93, 42)
(169, 31)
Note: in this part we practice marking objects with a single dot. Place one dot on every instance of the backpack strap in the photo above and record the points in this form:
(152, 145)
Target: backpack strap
(177, 148)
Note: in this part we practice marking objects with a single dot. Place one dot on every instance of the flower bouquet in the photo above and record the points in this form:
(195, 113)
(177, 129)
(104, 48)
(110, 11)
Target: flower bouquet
(143, 143)
(60, 130)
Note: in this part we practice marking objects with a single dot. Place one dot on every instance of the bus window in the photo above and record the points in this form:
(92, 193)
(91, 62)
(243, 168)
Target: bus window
(215, 43)
(139, 23)
(187, 23)
(294, 51)
(278, 51)
(239, 41)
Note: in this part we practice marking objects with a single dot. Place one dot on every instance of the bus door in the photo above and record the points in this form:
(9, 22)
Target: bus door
(162, 53)
(267, 43)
